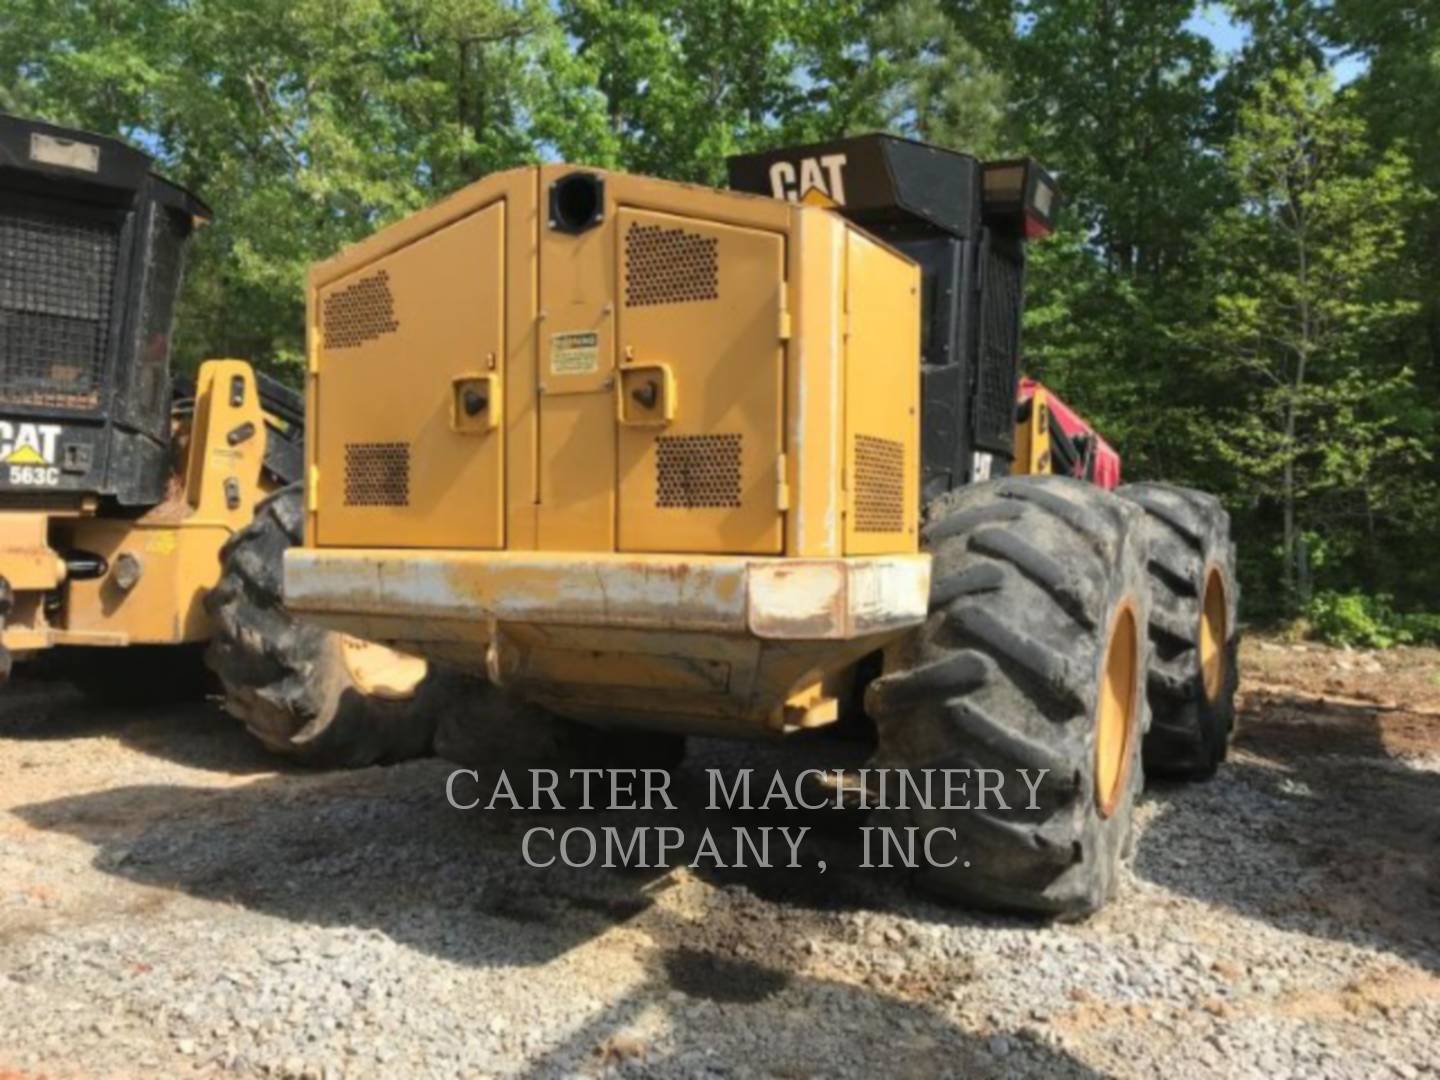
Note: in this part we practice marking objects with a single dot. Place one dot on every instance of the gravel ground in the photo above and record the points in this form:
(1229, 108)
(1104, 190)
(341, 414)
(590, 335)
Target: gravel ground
(171, 904)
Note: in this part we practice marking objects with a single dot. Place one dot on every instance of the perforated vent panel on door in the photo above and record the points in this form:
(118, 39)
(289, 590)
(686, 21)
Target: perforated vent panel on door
(695, 471)
(879, 485)
(669, 266)
(377, 474)
(360, 312)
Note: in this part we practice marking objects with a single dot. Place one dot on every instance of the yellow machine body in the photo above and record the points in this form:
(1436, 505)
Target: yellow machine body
(1032, 437)
(159, 565)
(660, 470)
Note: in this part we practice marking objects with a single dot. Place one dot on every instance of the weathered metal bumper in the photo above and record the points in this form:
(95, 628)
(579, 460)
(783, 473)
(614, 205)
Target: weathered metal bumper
(768, 598)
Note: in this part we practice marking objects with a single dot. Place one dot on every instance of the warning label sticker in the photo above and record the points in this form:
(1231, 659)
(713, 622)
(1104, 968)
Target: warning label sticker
(574, 353)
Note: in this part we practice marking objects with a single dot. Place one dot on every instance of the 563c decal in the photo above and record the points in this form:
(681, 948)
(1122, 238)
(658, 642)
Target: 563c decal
(27, 453)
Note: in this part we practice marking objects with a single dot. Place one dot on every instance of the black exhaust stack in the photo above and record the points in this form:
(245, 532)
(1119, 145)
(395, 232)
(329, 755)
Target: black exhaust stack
(965, 223)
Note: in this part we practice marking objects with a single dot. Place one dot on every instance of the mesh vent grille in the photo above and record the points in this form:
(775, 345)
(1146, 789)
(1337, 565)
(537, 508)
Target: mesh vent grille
(150, 394)
(377, 474)
(879, 485)
(359, 313)
(697, 472)
(995, 396)
(669, 266)
(56, 280)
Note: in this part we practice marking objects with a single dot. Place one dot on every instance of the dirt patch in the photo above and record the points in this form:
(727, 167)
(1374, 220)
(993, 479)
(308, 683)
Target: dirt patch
(1407, 676)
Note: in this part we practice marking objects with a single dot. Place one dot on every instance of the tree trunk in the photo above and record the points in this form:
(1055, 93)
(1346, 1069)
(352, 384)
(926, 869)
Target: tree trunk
(1287, 501)
(1297, 569)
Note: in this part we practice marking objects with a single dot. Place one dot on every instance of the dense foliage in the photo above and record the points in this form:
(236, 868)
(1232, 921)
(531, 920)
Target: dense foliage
(1245, 293)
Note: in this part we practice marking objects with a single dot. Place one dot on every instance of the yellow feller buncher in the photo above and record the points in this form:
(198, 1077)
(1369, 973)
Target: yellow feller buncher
(654, 456)
(120, 487)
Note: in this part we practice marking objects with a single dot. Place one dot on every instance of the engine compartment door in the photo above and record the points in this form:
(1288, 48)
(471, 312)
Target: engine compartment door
(409, 394)
(700, 385)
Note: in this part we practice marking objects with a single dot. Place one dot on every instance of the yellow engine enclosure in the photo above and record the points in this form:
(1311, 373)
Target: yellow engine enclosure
(663, 470)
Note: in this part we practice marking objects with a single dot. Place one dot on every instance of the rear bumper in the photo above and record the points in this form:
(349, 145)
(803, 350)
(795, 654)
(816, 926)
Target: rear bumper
(767, 598)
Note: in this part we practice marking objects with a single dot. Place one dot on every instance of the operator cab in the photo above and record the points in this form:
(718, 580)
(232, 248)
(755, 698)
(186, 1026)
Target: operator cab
(965, 223)
(91, 252)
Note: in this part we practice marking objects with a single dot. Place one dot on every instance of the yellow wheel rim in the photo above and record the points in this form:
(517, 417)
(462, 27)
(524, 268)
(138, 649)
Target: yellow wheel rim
(1214, 632)
(1115, 721)
(380, 671)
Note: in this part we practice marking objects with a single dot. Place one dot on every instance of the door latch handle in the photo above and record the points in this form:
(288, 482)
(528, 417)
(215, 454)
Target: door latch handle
(476, 404)
(646, 395)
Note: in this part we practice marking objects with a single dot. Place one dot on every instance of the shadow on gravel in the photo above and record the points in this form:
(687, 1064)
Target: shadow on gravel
(197, 734)
(381, 849)
(1313, 827)
(882, 1035)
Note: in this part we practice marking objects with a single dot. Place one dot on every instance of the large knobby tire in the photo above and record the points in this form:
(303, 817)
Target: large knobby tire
(1032, 658)
(294, 685)
(1193, 629)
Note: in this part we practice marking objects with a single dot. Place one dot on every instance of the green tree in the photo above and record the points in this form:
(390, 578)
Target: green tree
(72, 62)
(679, 85)
(934, 84)
(306, 124)
(682, 83)
(1304, 306)
(1114, 97)
(1399, 96)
